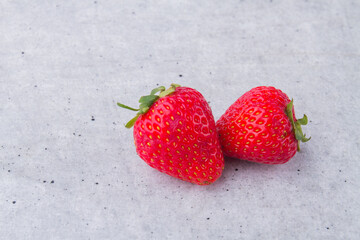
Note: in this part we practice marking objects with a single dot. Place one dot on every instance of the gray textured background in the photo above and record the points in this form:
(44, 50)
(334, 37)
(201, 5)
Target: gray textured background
(68, 167)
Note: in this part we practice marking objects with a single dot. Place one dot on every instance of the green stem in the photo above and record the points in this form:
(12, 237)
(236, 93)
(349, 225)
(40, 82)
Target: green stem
(147, 101)
(169, 91)
(296, 125)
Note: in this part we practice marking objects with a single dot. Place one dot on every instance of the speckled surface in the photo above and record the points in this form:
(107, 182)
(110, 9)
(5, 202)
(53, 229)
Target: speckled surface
(68, 167)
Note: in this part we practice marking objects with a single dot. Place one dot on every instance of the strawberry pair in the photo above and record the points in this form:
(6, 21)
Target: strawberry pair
(175, 131)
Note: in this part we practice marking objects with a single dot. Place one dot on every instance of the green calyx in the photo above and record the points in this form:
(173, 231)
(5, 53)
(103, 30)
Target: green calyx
(147, 101)
(296, 125)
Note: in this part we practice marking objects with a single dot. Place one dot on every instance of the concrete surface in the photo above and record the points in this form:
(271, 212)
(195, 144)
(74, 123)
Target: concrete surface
(68, 167)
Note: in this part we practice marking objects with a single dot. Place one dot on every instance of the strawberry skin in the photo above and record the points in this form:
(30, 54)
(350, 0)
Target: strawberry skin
(177, 136)
(259, 127)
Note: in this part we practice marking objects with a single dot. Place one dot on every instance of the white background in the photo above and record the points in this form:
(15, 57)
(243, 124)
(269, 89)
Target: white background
(68, 166)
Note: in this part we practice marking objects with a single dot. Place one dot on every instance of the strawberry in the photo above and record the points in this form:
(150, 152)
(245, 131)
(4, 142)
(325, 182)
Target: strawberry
(175, 133)
(261, 127)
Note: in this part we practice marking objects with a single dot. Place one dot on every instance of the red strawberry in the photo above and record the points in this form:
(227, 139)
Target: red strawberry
(175, 133)
(261, 127)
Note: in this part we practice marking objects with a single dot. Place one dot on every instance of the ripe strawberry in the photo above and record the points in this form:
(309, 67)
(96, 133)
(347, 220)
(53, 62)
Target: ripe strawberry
(175, 133)
(261, 127)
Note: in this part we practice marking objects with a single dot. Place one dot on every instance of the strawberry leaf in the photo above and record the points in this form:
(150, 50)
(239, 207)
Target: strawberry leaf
(303, 121)
(147, 101)
(296, 125)
(156, 90)
(127, 107)
(131, 123)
